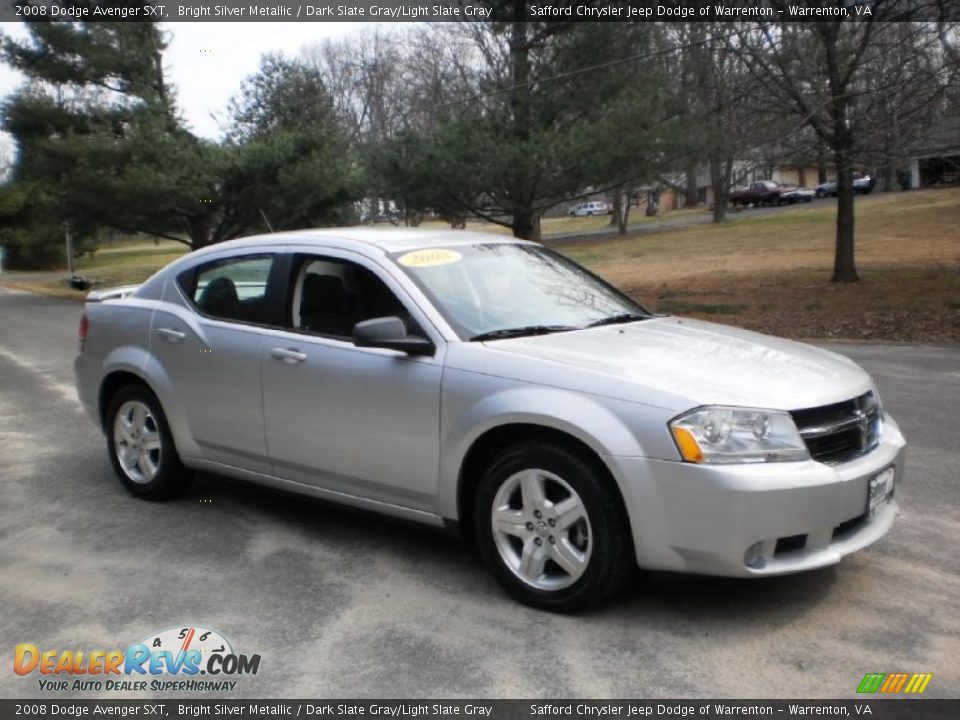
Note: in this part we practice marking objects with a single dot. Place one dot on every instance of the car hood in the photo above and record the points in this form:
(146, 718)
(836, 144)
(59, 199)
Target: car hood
(683, 363)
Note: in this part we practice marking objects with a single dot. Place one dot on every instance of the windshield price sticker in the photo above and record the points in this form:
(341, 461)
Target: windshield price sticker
(430, 258)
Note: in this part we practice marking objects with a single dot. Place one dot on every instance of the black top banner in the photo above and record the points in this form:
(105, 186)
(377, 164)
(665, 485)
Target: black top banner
(482, 10)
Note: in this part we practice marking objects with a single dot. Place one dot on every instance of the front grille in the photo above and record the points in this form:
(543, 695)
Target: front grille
(842, 431)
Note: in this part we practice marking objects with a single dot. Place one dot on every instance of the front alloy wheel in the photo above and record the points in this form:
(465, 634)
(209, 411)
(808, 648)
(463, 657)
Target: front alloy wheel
(541, 529)
(551, 526)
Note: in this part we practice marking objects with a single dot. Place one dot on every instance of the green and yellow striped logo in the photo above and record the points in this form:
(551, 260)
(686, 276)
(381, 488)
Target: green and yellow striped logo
(894, 682)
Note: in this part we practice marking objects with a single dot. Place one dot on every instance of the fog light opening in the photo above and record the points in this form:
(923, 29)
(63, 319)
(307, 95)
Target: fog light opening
(753, 558)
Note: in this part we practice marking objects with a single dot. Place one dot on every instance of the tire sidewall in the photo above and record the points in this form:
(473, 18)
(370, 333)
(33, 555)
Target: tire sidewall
(171, 475)
(606, 524)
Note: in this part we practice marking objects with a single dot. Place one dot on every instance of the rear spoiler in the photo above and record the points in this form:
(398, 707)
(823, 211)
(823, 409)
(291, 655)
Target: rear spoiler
(114, 293)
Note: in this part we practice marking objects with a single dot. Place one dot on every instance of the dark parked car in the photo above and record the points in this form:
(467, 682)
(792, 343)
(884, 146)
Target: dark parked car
(762, 192)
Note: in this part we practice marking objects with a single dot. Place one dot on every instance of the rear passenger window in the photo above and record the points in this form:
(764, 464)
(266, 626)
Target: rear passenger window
(234, 289)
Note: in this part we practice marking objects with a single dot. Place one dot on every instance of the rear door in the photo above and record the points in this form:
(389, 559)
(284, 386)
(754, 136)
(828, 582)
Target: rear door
(208, 341)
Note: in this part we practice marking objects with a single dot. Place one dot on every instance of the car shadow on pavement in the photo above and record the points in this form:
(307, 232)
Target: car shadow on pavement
(448, 564)
(727, 599)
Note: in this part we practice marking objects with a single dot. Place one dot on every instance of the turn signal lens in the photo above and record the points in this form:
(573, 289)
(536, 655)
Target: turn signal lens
(688, 445)
(84, 327)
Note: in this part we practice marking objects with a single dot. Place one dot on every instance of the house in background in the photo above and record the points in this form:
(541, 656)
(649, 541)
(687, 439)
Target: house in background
(744, 173)
(935, 158)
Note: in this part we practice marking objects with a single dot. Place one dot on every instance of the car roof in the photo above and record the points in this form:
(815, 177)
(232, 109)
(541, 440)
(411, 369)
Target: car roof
(387, 239)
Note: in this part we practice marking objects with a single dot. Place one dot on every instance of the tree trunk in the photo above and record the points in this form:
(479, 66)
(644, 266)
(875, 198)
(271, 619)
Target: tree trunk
(623, 216)
(844, 267)
(199, 231)
(888, 177)
(526, 223)
(692, 193)
(615, 208)
(821, 164)
(721, 170)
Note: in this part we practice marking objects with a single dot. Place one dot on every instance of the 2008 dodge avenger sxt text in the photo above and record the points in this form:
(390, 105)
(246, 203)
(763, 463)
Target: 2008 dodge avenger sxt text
(496, 387)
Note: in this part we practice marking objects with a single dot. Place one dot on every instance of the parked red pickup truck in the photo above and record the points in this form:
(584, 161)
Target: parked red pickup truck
(768, 192)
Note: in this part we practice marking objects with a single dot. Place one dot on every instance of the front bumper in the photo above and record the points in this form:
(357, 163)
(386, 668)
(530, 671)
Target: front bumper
(805, 515)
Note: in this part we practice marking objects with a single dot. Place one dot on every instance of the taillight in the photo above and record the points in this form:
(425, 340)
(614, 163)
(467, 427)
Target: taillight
(84, 327)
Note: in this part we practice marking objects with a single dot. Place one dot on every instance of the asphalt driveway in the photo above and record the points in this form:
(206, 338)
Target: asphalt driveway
(341, 604)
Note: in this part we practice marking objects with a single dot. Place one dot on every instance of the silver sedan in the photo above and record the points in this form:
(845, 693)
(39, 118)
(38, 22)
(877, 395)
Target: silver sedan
(498, 389)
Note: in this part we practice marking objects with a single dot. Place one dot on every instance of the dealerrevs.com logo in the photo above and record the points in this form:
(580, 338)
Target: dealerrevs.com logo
(171, 660)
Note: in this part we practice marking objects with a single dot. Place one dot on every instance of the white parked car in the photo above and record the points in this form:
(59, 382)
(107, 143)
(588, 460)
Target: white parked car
(498, 389)
(594, 207)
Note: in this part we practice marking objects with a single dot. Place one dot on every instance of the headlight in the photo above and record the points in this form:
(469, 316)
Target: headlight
(718, 435)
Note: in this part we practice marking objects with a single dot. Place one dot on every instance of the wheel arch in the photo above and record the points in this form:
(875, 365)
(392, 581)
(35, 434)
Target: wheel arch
(151, 376)
(111, 384)
(495, 440)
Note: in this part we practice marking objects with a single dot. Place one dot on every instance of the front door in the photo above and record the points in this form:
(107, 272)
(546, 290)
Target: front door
(360, 421)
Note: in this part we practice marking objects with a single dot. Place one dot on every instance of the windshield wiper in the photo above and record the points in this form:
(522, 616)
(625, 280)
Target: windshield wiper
(618, 319)
(521, 331)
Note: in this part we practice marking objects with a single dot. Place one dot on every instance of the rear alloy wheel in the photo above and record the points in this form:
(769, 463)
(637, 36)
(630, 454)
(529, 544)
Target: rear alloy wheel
(141, 447)
(552, 528)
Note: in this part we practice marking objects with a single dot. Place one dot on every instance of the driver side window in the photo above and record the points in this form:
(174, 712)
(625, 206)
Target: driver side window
(331, 295)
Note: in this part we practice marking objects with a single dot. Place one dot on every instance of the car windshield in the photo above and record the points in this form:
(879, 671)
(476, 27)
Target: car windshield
(498, 290)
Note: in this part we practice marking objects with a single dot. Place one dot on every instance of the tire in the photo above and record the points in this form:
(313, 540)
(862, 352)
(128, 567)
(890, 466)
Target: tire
(820, 194)
(589, 534)
(136, 420)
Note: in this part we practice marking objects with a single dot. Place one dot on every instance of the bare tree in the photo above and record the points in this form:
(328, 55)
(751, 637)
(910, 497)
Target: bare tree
(721, 127)
(820, 73)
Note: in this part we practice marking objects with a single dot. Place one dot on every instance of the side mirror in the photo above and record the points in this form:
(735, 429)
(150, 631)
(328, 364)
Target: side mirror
(390, 333)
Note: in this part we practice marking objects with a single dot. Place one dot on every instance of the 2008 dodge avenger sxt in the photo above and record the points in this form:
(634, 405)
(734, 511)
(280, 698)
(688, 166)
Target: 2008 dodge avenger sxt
(498, 388)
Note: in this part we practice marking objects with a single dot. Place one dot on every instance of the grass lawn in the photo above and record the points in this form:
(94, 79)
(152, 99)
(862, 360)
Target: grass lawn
(772, 273)
(769, 273)
(128, 261)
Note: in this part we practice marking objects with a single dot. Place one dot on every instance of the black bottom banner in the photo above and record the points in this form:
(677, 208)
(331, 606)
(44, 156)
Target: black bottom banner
(912, 709)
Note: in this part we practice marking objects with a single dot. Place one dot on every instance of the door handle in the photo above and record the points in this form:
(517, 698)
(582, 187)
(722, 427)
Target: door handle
(288, 355)
(171, 335)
